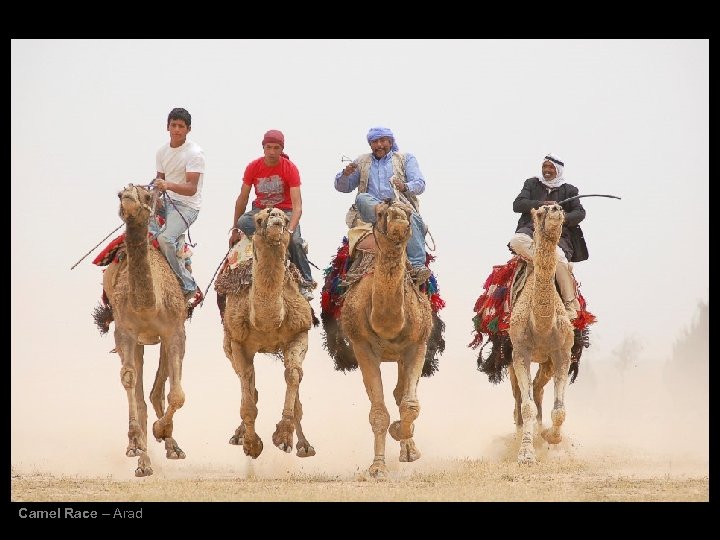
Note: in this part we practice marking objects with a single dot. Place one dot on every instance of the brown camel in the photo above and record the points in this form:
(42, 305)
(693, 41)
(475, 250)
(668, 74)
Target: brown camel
(148, 307)
(540, 331)
(269, 316)
(387, 319)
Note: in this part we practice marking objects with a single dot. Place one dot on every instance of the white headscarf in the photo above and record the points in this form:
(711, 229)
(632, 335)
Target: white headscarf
(559, 166)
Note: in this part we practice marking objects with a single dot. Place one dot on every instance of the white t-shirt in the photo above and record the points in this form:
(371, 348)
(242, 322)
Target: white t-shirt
(175, 162)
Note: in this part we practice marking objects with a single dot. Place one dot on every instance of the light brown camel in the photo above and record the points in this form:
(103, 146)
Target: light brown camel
(148, 307)
(540, 331)
(387, 319)
(269, 316)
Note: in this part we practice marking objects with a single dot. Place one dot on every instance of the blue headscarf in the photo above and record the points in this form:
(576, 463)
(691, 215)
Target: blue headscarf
(379, 131)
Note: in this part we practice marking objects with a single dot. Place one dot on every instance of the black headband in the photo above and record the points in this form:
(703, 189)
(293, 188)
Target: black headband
(554, 160)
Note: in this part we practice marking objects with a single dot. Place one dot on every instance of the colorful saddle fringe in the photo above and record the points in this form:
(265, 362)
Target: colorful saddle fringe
(334, 288)
(492, 321)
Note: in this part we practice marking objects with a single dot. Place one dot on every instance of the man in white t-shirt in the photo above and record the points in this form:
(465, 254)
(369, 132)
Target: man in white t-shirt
(180, 168)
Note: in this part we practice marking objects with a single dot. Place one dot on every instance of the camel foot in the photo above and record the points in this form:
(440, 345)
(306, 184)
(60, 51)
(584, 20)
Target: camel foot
(526, 456)
(238, 436)
(162, 430)
(378, 469)
(399, 434)
(252, 446)
(283, 436)
(172, 450)
(408, 451)
(304, 449)
(552, 435)
(143, 468)
(133, 451)
(140, 472)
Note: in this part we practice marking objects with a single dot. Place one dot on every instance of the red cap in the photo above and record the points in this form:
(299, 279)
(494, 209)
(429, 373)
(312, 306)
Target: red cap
(274, 136)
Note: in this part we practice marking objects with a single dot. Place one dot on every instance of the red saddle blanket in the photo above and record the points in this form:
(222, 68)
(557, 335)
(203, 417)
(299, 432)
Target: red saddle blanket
(110, 253)
(493, 307)
(336, 283)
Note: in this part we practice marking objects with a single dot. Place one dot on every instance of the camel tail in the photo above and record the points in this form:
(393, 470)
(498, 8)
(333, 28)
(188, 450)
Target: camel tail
(500, 357)
(103, 316)
(435, 346)
(573, 371)
(337, 345)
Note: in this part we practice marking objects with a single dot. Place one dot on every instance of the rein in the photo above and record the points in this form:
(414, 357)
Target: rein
(152, 210)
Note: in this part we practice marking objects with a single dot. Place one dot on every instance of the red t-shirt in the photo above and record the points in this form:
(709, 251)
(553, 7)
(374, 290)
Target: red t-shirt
(272, 184)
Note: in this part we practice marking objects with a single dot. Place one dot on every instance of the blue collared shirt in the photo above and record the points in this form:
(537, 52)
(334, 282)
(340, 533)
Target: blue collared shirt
(379, 174)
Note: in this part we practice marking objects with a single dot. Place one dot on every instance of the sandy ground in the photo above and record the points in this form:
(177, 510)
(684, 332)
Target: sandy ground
(560, 475)
(633, 432)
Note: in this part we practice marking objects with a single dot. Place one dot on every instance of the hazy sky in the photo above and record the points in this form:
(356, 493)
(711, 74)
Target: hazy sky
(629, 117)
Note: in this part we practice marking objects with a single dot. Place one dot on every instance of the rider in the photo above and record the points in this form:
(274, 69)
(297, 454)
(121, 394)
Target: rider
(551, 188)
(378, 176)
(277, 184)
(180, 166)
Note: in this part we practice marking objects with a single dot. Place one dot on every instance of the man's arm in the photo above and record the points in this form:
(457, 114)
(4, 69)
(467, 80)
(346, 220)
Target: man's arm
(347, 179)
(296, 199)
(524, 201)
(240, 205)
(189, 188)
(415, 182)
(574, 211)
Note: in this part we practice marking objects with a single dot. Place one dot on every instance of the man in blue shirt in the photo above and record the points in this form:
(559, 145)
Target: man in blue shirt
(385, 173)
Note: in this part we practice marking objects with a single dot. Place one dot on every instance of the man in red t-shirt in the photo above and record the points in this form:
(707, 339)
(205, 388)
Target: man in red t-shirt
(277, 184)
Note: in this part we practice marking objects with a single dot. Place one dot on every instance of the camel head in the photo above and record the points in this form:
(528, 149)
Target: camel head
(136, 204)
(548, 221)
(393, 220)
(271, 224)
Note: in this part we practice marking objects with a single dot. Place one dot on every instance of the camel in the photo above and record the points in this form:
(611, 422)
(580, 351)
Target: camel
(269, 316)
(148, 307)
(540, 331)
(386, 318)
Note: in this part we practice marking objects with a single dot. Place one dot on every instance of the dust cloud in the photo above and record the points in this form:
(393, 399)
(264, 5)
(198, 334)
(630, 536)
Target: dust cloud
(72, 420)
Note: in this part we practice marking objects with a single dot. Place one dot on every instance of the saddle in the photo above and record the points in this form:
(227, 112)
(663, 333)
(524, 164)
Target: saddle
(236, 272)
(492, 318)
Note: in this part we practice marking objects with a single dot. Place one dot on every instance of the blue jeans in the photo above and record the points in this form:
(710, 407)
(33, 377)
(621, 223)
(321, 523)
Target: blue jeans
(366, 203)
(246, 223)
(167, 237)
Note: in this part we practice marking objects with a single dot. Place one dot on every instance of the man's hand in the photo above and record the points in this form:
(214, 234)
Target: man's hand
(350, 168)
(161, 184)
(235, 236)
(399, 184)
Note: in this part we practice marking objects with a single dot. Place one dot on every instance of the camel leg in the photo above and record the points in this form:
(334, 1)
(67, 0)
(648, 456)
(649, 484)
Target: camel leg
(238, 437)
(243, 363)
(131, 378)
(409, 370)
(172, 348)
(517, 417)
(379, 416)
(542, 377)
(157, 393)
(521, 365)
(293, 356)
(304, 448)
(561, 363)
